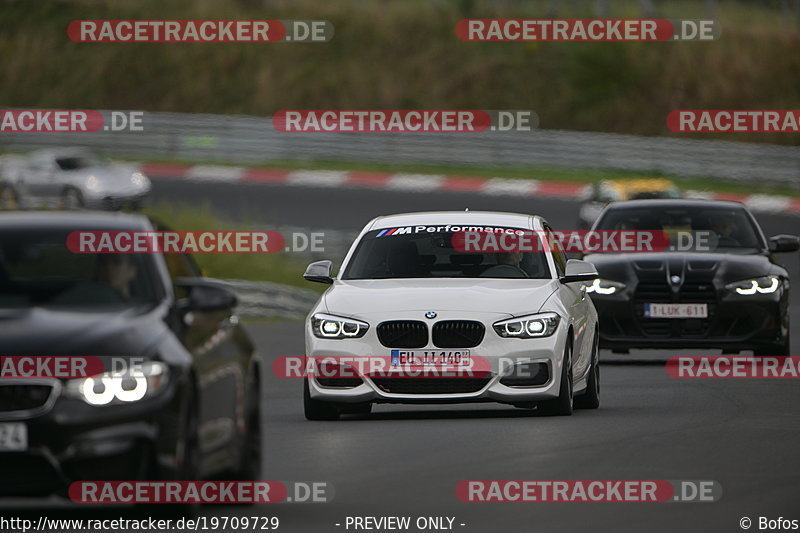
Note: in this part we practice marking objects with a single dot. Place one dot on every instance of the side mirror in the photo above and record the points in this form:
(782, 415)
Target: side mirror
(319, 271)
(578, 270)
(784, 243)
(206, 295)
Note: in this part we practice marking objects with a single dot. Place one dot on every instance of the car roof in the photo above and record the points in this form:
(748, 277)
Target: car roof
(657, 203)
(75, 220)
(67, 151)
(435, 218)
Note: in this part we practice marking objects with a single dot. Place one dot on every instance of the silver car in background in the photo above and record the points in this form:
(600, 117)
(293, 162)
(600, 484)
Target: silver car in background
(70, 178)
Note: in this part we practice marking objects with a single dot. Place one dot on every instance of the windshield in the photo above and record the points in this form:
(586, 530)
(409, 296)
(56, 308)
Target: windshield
(79, 162)
(384, 254)
(37, 269)
(690, 228)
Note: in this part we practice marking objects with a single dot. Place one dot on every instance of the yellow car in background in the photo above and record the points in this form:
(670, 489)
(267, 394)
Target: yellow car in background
(599, 195)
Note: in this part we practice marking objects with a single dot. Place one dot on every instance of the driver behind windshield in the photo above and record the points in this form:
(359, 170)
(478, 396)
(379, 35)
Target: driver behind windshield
(110, 283)
(116, 271)
(724, 227)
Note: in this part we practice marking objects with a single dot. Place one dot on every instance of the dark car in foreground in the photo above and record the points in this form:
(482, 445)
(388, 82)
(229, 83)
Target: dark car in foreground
(717, 285)
(192, 410)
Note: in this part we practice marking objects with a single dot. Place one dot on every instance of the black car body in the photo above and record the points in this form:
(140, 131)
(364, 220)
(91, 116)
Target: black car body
(735, 279)
(202, 418)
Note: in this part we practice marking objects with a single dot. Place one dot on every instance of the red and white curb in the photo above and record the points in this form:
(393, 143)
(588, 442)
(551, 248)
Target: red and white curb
(760, 203)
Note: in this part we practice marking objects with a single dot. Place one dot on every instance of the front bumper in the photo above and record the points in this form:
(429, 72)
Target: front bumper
(499, 353)
(734, 323)
(74, 441)
(114, 199)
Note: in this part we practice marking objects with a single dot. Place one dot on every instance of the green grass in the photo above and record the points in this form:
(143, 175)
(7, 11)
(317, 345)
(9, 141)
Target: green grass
(277, 267)
(404, 54)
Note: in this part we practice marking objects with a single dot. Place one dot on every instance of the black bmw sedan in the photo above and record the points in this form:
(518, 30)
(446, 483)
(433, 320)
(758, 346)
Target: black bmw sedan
(717, 285)
(190, 412)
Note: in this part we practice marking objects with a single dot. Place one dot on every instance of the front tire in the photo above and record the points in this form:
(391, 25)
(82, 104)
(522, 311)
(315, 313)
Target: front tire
(250, 465)
(563, 405)
(187, 457)
(9, 199)
(591, 398)
(317, 409)
(775, 350)
(71, 199)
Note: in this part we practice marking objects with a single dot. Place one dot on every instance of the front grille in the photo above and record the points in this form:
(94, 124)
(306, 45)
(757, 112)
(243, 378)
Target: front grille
(650, 291)
(689, 292)
(657, 327)
(458, 333)
(698, 292)
(403, 334)
(20, 397)
(432, 385)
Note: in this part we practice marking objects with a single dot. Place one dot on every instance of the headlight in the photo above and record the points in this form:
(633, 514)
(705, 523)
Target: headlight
(139, 179)
(764, 285)
(120, 387)
(527, 327)
(604, 286)
(337, 327)
(92, 183)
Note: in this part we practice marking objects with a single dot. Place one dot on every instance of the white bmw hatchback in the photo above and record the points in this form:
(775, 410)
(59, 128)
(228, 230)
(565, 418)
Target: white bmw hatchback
(511, 327)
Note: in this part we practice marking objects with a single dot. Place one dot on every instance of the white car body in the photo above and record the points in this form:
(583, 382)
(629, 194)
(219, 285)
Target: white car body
(45, 178)
(481, 299)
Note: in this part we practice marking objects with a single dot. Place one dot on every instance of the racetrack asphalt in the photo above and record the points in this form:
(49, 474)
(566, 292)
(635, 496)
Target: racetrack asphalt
(407, 460)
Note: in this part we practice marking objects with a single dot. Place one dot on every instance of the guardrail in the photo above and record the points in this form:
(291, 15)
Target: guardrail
(264, 299)
(247, 139)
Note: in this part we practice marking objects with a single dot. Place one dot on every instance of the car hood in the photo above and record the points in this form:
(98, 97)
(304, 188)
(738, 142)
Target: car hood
(724, 268)
(40, 331)
(512, 297)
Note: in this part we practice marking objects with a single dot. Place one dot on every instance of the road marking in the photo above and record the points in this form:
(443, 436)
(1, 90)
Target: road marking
(215, 173)
(513, 187)
(317, 178)
(415, 182)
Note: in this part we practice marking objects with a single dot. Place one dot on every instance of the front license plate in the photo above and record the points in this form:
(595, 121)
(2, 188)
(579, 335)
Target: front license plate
(433, 358)
(13, 437)
(676, 310)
